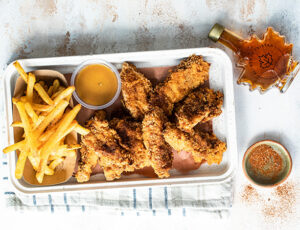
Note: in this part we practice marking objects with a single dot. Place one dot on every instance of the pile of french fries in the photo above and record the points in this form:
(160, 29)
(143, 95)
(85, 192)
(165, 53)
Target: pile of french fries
(46, 121)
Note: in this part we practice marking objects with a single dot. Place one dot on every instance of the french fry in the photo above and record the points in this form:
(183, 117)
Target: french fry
(55, 163)
(15, 100)
(31, 112)
(17, 124)
(14, 147)
(21, 71)
(68, 98)
(45, 136)
(56, 94)
(73, 147)
(49, 171)
(34, 162)
(52, 128)
(50, 91)
(63, 153)
(39, 121)
(55, 85)
(43, 94)
(55, 138)
(42, 108)
(59, 116)
(42, 83)
(47, 120)
(69, 129)
(30, 85)
(81, 130)
(26, 125)
(23, 99)
(65, 93)
(20, 164)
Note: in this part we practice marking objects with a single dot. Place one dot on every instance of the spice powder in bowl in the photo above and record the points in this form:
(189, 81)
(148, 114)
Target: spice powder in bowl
(267, 163)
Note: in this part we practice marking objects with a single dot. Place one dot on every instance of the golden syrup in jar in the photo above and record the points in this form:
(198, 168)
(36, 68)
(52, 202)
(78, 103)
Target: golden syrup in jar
(266, 62)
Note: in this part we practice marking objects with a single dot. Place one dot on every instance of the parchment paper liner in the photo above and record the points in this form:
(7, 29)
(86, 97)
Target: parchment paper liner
(64, 171)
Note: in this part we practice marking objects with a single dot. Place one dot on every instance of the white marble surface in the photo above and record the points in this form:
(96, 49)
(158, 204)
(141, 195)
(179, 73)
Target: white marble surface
(37, 28)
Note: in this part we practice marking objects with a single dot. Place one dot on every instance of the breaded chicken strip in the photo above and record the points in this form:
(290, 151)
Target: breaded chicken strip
(188, 75)
(136, 91)
(88, 161)
(202, 146)
(104, 142)
(182, 141)
(88, 157)
(160, 152)
(130, 133)
(215, 148)
(200, 106)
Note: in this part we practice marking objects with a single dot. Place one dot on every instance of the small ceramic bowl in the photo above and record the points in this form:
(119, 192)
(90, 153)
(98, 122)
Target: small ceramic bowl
(260, 180)
(100, 62)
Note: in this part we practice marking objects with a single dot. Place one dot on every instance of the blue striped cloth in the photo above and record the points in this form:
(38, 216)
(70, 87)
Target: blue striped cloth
(211, 201)
(208, 200)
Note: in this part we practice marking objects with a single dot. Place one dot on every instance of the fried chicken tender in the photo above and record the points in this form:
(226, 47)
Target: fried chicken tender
(88, 157)
(104, 142)
(202, 146)
(182, 141)
(188, 75)
(200, 106)
(161, 155)
(88, 161)
(136, 91)
(130, 133)
(215, 148)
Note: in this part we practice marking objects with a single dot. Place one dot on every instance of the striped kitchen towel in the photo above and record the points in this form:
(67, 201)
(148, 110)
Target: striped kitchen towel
(210, 200)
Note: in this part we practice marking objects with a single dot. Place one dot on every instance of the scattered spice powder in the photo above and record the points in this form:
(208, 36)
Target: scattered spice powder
(250, 194)
(286, 199)
(265, 161)
(281, 205)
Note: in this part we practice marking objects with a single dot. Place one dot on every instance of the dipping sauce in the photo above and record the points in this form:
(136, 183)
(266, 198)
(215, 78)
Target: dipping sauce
(96, 84)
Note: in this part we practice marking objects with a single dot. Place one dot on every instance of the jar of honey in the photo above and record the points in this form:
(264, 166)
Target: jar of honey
(266, 62)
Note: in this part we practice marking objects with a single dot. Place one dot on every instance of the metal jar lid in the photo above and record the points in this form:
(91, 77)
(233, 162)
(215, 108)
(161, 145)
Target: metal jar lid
(215, 32)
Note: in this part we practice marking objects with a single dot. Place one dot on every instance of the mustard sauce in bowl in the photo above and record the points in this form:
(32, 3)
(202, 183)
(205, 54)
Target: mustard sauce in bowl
(97, 84)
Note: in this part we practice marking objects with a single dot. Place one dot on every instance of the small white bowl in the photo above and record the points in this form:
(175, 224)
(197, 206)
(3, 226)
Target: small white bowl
(100, 62)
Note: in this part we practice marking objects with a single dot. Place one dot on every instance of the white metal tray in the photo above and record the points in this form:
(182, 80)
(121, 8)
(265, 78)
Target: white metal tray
(221, 78)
